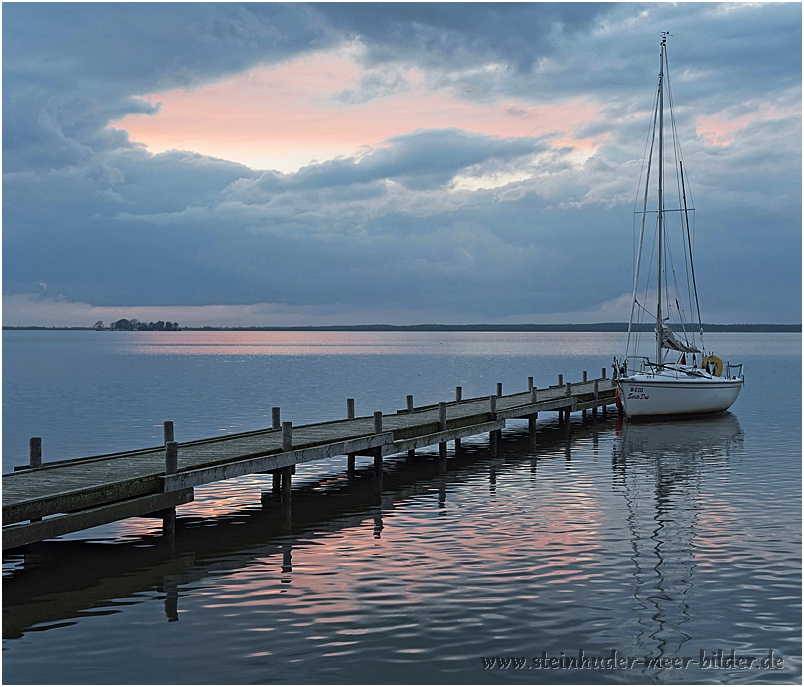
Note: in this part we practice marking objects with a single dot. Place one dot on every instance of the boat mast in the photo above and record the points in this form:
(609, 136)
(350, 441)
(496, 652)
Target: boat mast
(661, 205)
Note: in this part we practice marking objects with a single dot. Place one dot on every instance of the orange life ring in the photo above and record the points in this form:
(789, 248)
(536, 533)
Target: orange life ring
(713, 365)
(617, 401)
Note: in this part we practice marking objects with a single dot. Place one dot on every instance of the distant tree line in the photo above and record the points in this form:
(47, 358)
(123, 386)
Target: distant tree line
(133, 325)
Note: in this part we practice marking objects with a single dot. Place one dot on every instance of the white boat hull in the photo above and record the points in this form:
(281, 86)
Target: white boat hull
(646, 395)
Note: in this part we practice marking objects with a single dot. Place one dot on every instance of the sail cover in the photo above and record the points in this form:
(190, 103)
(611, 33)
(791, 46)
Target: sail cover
(670, 341)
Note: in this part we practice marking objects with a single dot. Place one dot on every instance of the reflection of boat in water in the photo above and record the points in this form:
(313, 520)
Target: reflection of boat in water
(661, 470)
(682, 440)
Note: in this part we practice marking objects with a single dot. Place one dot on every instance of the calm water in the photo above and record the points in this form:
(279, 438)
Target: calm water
(654, 540)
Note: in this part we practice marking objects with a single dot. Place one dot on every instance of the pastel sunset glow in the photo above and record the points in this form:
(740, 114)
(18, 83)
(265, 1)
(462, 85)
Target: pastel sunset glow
(290, 115)
(287, 165)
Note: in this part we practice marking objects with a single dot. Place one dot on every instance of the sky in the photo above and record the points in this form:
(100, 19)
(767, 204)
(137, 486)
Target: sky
(397, 163)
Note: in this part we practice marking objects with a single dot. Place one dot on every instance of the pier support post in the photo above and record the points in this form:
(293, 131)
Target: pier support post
(169, 514)
(595, 397)
(458, 399)
(167, 428)
(275, 423)
(35, 452)
(533, 416)
(378, 450)
(409, 400)
(169, 525)
(350, 457)
(603, 372)
(442, 445)
(561, 380)
(494, 435)
(585, 376)
(35, 458)
(287, 436)
(171, 457)
(287, 483)
(499, 389)
(276, 484)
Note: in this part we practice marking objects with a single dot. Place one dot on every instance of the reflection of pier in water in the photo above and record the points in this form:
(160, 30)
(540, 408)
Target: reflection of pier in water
(58, 581)
(660, 469)
(44, 500)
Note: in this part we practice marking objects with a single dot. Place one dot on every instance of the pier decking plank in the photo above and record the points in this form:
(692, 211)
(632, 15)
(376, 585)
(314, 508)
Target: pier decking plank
(80, 485)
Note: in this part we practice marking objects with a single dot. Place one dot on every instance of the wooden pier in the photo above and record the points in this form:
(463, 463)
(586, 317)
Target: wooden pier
(46, 500)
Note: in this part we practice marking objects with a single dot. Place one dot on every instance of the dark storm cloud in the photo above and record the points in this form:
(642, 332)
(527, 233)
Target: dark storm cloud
(472, 224)
(70, 68)
(432, 33)
(423, 159)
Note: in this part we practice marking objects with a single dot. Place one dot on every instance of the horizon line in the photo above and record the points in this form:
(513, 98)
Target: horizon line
(524, 327)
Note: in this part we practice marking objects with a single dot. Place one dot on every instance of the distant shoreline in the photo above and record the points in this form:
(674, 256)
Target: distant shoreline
(595, 327)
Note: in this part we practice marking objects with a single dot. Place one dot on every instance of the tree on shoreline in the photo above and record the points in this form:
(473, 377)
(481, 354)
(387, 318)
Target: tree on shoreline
(134, 325)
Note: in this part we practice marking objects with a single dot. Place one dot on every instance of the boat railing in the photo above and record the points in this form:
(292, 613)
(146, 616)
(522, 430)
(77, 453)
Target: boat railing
(634, 364)
(734, 371)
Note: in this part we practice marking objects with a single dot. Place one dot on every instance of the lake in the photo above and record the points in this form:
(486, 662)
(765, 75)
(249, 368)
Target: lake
(615, 552)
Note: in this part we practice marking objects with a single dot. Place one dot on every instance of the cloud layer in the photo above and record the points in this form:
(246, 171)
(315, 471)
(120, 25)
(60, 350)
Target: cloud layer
(508, 198)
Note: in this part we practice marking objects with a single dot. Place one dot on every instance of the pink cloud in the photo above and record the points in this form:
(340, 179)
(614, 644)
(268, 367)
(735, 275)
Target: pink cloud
(287, 115)
(720, 130)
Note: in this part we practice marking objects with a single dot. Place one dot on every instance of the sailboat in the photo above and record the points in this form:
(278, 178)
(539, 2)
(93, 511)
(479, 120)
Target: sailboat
(683, 378)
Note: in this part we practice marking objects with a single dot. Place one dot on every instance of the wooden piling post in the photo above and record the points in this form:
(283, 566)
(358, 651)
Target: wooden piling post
(350, 415)
(442, 427)
(169, 514)
(595, 397)
(409, 399)
(287, 483)
(499, 389)
(275, 423)
(35, 452)
(561, 380)
(169, 525)
(167, 428)
(458, 398)
(533, 416)
(568, 389)
(378, 450)
(603, 372)
(287, 436)
(35, 458)
(276, 483)
(585, 377)
(171, 457)
(493, 416)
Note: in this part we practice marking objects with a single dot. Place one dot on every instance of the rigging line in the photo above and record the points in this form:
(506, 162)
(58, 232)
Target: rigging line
(687, 247)
(692, 263)
(644, 215)
(650, 137)
(648, 278)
